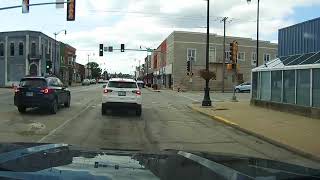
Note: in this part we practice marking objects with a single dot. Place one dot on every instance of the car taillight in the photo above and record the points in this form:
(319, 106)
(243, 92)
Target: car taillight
(16, 90)
(107, 91)
(46, 91)
(137, 92)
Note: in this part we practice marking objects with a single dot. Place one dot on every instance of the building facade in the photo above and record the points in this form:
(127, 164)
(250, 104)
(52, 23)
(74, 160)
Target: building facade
(300, 38)
(169, 60)
(148, 71)
(158, 64)
(80, 72)
(67, 61)
(26, 53)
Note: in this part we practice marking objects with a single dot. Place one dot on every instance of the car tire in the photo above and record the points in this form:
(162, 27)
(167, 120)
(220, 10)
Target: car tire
(22, 109)
(139, 111)
(67, 104)
(238, 91)
(54, 107)
(103, 110)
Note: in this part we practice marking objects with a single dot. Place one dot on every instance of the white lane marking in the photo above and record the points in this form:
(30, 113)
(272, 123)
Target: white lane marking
(82, 89)
(65, 123)
(188, 97)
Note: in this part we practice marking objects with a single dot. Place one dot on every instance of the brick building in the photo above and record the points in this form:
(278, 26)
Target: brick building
(67, 61)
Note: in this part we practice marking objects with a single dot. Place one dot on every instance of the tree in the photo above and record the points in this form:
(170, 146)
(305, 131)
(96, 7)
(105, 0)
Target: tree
(105, 75)
(95, 70)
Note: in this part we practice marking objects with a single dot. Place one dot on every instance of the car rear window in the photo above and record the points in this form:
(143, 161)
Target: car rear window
(121, 84)
(33, 83)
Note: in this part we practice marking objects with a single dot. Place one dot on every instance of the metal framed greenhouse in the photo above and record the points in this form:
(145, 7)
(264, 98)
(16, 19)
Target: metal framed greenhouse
(292, 80)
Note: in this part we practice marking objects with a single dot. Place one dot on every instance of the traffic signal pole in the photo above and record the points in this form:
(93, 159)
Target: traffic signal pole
(35, 4)
(224, 52)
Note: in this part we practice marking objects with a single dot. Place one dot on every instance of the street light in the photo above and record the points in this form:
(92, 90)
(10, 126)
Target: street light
(206, 98)
(55, 48)
(257, 53)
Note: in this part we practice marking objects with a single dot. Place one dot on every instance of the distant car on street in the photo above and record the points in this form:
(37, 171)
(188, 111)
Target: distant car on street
(244, 87)
(43, 92)
(102, 81)
(121, 93)
(140, 84)
(85, 82)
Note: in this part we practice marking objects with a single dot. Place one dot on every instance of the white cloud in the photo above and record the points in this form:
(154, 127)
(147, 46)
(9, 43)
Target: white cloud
(148, 23)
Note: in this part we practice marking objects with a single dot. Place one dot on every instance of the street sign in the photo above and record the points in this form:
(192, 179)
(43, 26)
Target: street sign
(25, 6)
(149, 50)
(59, 4)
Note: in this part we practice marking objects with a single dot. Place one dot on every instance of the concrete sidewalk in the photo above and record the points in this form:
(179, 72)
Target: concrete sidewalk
(296, 133)
(150, 89)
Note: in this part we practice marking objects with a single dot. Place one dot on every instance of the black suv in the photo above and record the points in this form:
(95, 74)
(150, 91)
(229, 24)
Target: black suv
(43, 92)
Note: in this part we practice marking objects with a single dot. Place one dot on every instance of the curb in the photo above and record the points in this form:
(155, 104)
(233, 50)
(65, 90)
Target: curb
(264, 138)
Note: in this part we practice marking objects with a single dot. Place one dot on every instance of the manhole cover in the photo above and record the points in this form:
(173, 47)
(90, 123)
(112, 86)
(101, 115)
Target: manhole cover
(36, 126)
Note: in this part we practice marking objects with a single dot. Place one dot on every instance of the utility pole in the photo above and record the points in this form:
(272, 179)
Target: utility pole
(139, 69)
(55, 50)
(55, 53)
(88, 66)
(258, 11)
(224, 52)
(147, 64)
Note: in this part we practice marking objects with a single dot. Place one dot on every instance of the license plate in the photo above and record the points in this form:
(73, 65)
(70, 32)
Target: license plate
(29, 93)
(121, 93)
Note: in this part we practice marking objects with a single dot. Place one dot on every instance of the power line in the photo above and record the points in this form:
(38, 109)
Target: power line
(165, 15)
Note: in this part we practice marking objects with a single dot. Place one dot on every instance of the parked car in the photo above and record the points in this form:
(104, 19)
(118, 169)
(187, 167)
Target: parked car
(244, 87)
(43, 92)
(121, 93)
(86, 82)
(93, 81)
(140, 84)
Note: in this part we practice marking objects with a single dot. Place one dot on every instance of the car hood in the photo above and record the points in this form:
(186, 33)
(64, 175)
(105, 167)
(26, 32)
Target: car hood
(62, 161)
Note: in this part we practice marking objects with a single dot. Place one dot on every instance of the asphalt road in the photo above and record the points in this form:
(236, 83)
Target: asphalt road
(166, 123)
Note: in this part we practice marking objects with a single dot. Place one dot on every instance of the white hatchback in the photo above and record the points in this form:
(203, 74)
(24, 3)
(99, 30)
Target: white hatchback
(121, 93)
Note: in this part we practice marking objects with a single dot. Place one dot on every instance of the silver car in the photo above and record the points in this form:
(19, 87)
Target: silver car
(244, 87)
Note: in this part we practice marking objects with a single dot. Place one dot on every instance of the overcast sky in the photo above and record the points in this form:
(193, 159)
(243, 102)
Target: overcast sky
(147, 23)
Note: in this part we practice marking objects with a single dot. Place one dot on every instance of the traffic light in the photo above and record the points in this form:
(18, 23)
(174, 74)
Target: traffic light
(234, 52)
(188, 66)
(100, 49)
(122, 47)
(48, 66)
(71, 10)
